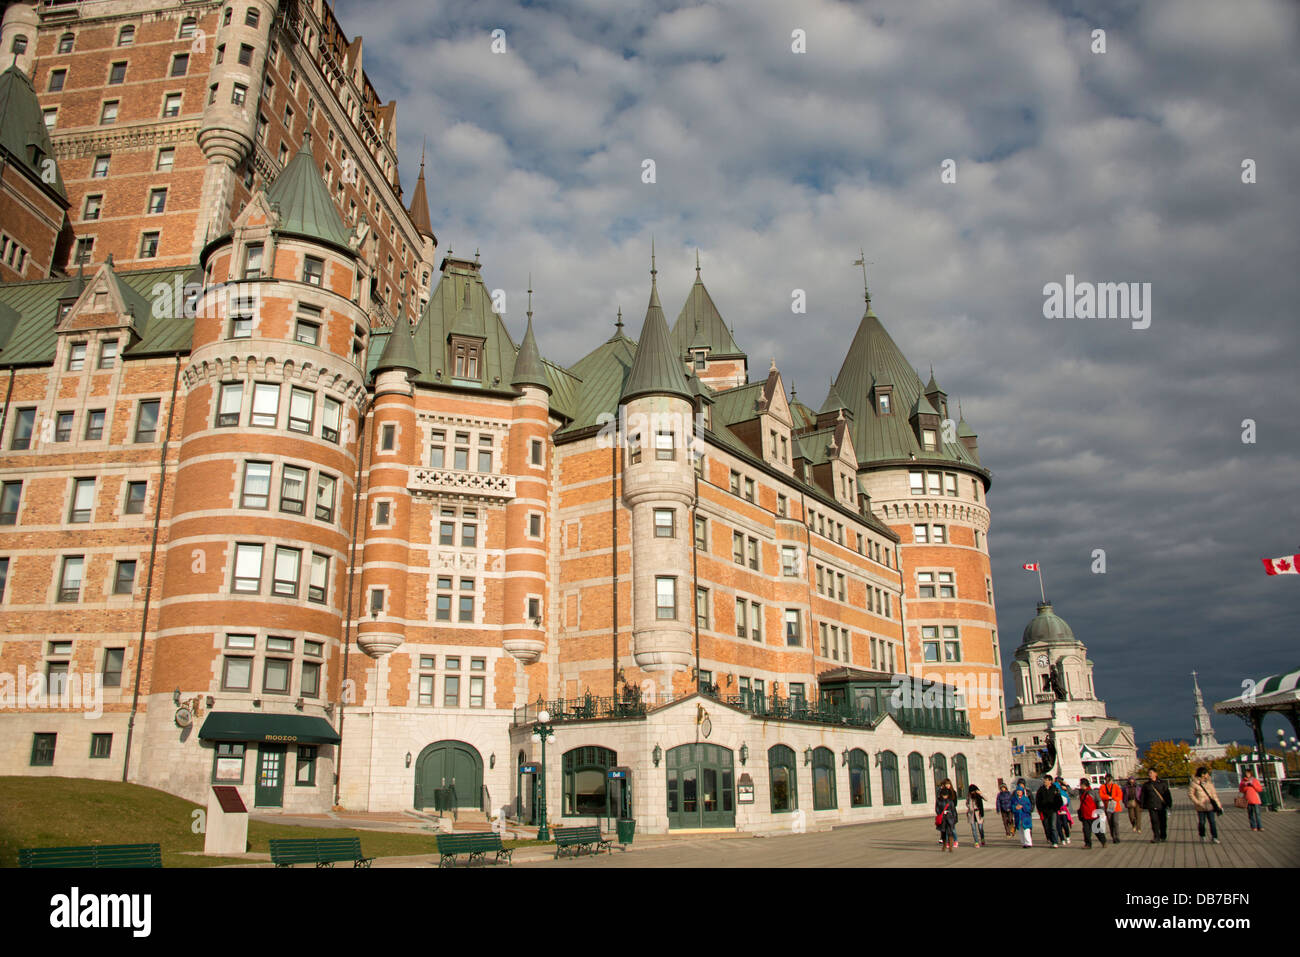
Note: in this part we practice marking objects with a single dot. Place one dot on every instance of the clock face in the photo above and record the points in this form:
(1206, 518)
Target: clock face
(1042, 661)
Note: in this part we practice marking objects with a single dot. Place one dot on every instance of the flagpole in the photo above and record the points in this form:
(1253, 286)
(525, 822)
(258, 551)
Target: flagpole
(1038, 566)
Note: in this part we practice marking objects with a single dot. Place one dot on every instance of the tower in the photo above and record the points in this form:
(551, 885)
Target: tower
(1206, 745)
(658, 487)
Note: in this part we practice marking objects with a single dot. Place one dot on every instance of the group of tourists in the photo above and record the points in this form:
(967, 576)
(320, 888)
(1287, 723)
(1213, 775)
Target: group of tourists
(1099, 811)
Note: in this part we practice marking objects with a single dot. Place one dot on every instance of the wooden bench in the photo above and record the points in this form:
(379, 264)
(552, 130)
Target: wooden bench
(475, 847)
(95, 855)
(576, 839)
(321, 851)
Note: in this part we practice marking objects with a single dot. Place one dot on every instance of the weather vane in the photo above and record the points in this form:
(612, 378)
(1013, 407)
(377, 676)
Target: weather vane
(863, 262)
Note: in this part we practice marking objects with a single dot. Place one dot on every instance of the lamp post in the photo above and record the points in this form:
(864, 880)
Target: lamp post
(542, 729)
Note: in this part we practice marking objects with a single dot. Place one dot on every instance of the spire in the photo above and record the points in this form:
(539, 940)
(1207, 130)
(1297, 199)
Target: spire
(420, 205)
(399, 350)
(618, 323)
(304, 201)
(529, 369)
(697, 264)
(22, 129)
(529, 313)
(656, 368)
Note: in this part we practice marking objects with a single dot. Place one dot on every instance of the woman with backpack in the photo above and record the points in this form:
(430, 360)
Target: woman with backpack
(975, 814)
(1206, 801)
(945, 815)
(1251, 788)
(1022, 807)
(1091, 814)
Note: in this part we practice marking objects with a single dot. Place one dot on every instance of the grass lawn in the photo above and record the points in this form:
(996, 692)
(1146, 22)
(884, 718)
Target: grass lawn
(60, 812)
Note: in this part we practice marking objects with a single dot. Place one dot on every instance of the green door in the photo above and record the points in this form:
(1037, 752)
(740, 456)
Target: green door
(268, 790)
(701, 787)
(450, 774)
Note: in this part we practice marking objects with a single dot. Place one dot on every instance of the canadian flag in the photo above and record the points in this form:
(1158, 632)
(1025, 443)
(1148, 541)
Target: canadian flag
(1033, 567)
(1286, 565)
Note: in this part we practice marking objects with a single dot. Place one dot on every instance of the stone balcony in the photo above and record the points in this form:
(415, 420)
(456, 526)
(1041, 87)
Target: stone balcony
(487, 485)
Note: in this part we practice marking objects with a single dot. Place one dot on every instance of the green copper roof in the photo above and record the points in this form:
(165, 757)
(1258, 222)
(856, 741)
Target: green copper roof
(32, 339)
(964, 430)
(923, 406)
(657, 367)
(461, 301)
(528, 362)
(932, 387)
(9, 319)
(304, 202)
(600, 375)
(833, 401)
(399, 352)
(22, 128)
(1047, 627)
(873, 358)
(1109, 736)
(699, 324)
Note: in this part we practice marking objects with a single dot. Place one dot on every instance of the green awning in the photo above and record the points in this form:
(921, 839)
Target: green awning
(294, 728)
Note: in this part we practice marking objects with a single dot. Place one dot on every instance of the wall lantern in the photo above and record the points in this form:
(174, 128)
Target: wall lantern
(845, 757)
(408, 759)
(744, 753)
(657, 754)
(807, 756)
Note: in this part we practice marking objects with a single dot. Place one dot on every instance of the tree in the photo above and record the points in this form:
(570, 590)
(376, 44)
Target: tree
(1168, 759)
(1225, 763)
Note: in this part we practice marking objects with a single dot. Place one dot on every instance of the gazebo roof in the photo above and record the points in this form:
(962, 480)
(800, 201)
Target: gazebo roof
(1280, 692)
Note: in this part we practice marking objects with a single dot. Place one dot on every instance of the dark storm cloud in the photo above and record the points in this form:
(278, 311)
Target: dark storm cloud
(1124, 166)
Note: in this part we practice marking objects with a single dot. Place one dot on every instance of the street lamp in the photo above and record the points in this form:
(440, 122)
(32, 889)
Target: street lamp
(542, 729)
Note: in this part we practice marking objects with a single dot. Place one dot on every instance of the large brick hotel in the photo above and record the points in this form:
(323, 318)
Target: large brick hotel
(279, 479)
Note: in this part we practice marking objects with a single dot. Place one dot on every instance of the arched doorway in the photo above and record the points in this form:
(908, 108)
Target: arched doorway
(450, 773)
(701, 786)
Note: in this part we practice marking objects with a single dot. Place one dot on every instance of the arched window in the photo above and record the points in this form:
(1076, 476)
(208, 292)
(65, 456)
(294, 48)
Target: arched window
(225, 20)
(781, 778)
(584, 780)
(959, 772)
(916, 777)
(889, 778)
(251, 16)
(126, 36)
(859, 779)
(940, 770)
(823, 766)
(20, 44)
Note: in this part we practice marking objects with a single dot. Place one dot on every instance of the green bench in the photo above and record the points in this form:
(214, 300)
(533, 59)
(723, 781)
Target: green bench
(96, 855)
(321, 851)
(575, 839)
(475, 847)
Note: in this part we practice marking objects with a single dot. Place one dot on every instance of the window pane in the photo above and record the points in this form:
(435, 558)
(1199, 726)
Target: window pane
(266, 403)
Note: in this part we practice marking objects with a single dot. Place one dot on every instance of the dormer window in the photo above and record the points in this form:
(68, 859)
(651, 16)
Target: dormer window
(701, 359)
(884, 403)
(929, 440)
(466, 354)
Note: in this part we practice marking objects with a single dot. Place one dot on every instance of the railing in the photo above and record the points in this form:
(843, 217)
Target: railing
(482, 484)
(594, 708)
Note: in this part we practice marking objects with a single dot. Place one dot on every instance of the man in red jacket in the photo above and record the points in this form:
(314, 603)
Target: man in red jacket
(1111, 796)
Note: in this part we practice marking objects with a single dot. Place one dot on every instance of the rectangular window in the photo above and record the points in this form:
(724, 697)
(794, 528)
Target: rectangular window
(940, 534)
(57, 79)
(793, 627)
(91, 210)
(462, 452)
(469, 535)
(108, 354)
(117, 73)
(245, 54)
(43, 750)
(70, 578)
(426, 686)
(702, 608)
(172, 105)
(63, 427)
(665, 523)
(749, 489)
(665, 597)
(275, 676)
(933, 480)
(318, 582)
(930, 643)
(665, 451)
(951, 644)
(266, 404)
(701, 533)
(535, 526)
(10, 496)
(146, 423)
(485, 454)
(789, 561)
(302, 405)
(253, 261)
(108, 112)
(83, 499)
(920, 534)
(738, 548)
(977, 538)
(124, 578)
(735, 483)
(741, 623)
(157, 201)
(753, 553)
(465, 608)
(917, 482)
(166, 160)
(4, 576)
(755, 621)
(149, 245)
(925, 584)
(99, 170)
(24, 423)
(305, 775)
(325, 497)
(256, 491)
(634, 449)
(101, 745)
(287, 564)
(950, 483)
(782, 506)
(946, 587)
(382, 514)
(331, 419)
(313, 270)
(228, 760)
(230, 401)
(180, 64)
(536, 452)
(307, 332)
(135, 493)
(76, 356)
(451, 691)
(111, 672)
(476, 686)
(248, 568)
(238, 94)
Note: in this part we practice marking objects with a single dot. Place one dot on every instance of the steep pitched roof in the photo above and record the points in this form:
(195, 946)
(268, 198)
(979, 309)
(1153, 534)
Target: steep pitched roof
(601, 375)
(528, 362)
(460, 300)
(873, 357)
(420, 206)
(700, 324)
(657, 366)
(22, 128)
(304, 202)
(399, 351)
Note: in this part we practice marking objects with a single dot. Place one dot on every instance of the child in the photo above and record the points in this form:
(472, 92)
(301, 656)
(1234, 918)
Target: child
(1091, 814)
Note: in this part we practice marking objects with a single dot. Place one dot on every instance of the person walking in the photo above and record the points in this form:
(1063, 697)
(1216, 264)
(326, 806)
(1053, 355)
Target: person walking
(1133, 803)
(1251, 788)
(975, 814)
(1003, 806)
(1022, 810)
(1064, 822)
(1206, 801)
(1048, 801)
(1111, 796)
(1091, 815)
(1157, 801)
(945, 814)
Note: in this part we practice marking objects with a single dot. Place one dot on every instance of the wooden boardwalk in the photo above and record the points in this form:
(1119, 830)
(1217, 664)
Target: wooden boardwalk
(914, 843)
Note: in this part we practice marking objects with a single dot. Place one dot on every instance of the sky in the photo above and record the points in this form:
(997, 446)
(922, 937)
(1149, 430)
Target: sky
(1115, 166)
